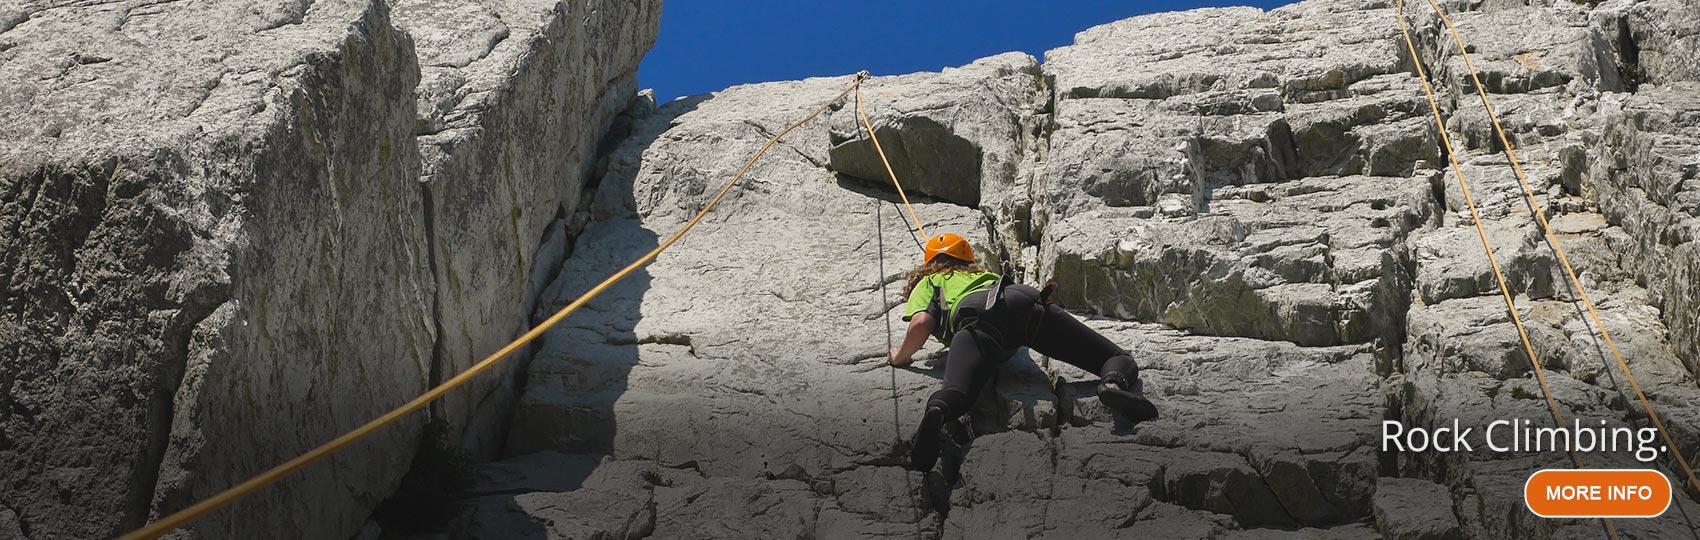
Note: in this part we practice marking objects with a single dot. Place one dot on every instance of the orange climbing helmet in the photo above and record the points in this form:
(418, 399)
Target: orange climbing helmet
(949, 244)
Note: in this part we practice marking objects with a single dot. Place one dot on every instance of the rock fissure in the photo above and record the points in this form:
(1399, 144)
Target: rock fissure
(435, 375)
(163, 411)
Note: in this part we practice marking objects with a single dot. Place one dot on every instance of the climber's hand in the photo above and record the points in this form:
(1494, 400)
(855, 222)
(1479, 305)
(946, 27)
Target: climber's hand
(898, 359)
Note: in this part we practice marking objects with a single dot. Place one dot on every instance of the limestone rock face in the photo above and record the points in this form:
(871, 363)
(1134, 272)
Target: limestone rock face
(1315, 262)
(686, 374)
(1257, 205)
(215, 261)
(1213, 180)
(229, 242)
(218, 252)
(1411, 509)
(1645, 178)
(1655, 38)
(954, 136)
(512, 106)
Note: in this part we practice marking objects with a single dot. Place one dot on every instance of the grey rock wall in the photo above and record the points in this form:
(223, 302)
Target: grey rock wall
(1552, 85)
(956, 136)
(219, 252)
(1232, 154)
(1655, 39)
(1644, 177)
(215, 260)
(230, 242)
(511, 112)
(1256, 204)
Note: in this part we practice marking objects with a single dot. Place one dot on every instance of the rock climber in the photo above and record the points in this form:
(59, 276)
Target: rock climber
(947, 298)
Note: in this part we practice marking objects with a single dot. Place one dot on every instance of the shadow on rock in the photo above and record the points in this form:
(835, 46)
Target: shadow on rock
(565, 426)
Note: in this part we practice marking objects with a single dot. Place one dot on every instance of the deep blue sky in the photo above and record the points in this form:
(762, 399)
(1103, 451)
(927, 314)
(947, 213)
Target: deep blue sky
(709, 45)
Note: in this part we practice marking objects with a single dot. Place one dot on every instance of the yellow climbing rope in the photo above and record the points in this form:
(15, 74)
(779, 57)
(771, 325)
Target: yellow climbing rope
(190, 514)
(881, 152)
(1540, 215)
(1504, 290)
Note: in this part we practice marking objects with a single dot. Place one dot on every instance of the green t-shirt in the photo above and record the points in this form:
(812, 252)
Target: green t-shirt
(952, 285)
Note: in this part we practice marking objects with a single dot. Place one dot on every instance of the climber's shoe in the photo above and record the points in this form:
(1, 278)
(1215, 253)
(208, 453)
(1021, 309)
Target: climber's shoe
(1130, 402)
(924, 449)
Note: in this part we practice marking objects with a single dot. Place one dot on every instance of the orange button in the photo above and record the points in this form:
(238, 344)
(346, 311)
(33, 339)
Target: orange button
(1592, 493)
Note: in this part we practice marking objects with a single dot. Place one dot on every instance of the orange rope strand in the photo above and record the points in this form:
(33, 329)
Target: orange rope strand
(1540, 215)
(1504, 290)
(881, 152)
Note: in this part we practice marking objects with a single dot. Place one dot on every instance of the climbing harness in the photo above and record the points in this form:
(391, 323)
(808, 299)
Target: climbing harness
(1007, 269)
(944, 320)
(271, 476)
(994, 292)
(1043, 304)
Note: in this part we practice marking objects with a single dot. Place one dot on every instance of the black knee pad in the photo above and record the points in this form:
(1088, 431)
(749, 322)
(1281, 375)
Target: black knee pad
(953, 401)
(1120, 369)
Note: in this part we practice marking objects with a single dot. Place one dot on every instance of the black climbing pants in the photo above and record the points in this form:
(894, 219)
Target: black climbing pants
(987, 338)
